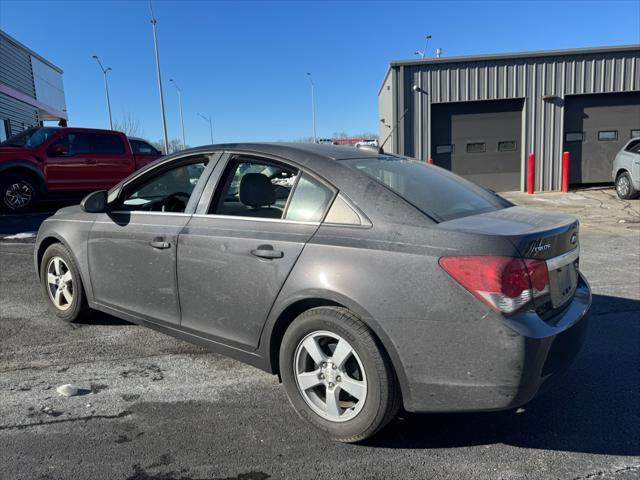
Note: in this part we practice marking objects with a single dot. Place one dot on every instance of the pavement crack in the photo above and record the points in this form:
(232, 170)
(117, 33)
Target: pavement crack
(602, 473)
(24, 426)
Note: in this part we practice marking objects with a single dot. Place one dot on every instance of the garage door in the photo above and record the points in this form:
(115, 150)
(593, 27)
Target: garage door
(595, 129)
(480, 141)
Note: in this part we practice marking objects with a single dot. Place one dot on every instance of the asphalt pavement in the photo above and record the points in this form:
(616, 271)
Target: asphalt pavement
(156, 408)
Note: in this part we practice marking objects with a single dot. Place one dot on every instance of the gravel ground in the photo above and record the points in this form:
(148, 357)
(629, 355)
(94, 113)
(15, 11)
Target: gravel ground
(156, 408)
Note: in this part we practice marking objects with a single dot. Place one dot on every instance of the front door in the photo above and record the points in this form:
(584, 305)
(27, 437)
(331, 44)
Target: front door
(73, 171)
(234, 257)
(132, 249)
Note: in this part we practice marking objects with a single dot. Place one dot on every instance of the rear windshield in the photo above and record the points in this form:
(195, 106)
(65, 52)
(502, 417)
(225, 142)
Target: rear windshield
(432, 190)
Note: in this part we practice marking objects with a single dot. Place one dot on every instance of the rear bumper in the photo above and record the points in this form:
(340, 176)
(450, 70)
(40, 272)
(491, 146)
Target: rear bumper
(512, 368)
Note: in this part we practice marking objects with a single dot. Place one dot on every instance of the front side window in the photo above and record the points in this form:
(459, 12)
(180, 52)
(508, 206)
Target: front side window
(439, 194)
(633, 147)
(76, 143)
(253, 188)
(169, 191)
(106, 144)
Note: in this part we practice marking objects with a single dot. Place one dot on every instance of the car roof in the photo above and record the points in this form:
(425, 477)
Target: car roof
(298, 152)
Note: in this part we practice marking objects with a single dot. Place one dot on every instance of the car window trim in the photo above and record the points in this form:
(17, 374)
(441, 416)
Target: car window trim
(252, 219)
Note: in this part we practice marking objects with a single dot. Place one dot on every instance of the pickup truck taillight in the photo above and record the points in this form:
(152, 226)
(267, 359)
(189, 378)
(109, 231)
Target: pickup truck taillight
(505, 284)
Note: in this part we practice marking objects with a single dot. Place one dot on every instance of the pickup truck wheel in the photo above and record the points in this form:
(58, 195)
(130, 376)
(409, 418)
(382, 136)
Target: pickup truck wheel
(18, 193)
(337, 375)
(624, 187)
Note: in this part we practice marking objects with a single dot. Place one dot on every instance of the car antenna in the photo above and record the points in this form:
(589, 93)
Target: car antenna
(393, 129)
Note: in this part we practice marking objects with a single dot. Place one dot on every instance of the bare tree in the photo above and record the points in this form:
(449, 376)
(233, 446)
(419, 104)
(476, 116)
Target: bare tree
(129, 125)
(175, 145)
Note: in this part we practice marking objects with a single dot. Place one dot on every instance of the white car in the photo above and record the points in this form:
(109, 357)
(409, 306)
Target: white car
(626, 170)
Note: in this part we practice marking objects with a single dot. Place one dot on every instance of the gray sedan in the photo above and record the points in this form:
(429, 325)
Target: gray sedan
(626, 170)
(365, 281)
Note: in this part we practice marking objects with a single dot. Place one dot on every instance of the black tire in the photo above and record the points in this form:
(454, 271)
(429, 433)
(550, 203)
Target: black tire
(78, 308)
(624, 187)
(18, 193)
(383, 397)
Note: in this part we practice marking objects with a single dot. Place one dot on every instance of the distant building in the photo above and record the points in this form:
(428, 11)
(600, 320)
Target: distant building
(480, 116)
(31, 89)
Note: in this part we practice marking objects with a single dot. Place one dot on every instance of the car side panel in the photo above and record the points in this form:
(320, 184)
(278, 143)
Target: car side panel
(392, 279)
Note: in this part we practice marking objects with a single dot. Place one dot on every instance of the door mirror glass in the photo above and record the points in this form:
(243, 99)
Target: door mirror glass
(58, 150)
(95, 202)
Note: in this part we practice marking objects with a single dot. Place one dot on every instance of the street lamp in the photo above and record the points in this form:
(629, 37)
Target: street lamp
(422, 53)
(208, 120)
(155, 44)
(171, 80)
(106, 88)
(313, 107)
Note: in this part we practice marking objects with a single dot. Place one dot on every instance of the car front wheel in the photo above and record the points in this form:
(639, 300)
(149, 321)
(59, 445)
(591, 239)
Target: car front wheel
(624, 187)
(337, 375)
(62, 284)
(18, 193)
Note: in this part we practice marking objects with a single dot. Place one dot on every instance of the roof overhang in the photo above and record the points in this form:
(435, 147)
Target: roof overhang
(45, 112)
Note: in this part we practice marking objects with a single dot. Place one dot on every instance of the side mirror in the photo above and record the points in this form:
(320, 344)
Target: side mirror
(58, 150)
(95, 202)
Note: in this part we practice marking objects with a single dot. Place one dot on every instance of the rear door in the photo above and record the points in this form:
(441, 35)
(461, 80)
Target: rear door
(238, 249)
(110, 159)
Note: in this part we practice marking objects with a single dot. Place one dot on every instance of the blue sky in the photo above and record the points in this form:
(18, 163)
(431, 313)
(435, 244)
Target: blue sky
(245, 62)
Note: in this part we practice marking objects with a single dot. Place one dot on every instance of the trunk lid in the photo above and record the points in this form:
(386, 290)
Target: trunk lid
(551, 237)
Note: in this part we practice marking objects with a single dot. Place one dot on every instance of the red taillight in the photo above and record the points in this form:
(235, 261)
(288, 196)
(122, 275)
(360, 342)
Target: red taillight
(506, 284)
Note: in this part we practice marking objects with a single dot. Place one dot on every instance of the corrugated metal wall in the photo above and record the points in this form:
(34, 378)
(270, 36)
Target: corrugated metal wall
(15, 71)
(531, 79)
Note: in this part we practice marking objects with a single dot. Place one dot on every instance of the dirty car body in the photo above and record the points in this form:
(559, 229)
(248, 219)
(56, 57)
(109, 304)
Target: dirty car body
(399, 260)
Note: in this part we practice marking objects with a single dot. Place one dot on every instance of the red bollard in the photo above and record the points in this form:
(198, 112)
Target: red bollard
(565, 172)
(430, 161)
(531, 173)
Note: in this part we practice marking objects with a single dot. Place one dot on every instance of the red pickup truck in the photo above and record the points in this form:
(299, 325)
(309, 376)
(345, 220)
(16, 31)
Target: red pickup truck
(45, 161)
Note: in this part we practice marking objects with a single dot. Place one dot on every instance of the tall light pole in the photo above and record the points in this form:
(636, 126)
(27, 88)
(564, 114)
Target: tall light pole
(313, 107)
(422, 53)
(106, 88)
(155, 44)
(171, 80)
(208, 120)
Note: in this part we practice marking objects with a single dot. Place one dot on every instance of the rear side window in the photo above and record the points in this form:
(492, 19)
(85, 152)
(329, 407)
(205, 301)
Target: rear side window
(436, 192)
(309, 200)
(143, 148)
(106, 144)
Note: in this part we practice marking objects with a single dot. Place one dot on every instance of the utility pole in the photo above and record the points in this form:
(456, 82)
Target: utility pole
(106, 88)
(313, 108)
(208, 120)
(155, 44)
(171, 80)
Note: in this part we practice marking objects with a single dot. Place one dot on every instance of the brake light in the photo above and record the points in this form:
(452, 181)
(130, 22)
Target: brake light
(505, 284)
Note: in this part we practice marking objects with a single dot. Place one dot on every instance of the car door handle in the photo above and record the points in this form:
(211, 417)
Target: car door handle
(159, 243)
(267, 251)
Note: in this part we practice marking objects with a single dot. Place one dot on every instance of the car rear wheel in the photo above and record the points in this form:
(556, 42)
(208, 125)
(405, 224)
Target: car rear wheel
(62, 284)
(18, 193)
(337, 375)
(624, 187)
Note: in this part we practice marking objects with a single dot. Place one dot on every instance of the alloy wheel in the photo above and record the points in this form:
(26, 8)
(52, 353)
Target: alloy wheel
(623, 186)
(59, 283)
(330, 376)
(18, 195)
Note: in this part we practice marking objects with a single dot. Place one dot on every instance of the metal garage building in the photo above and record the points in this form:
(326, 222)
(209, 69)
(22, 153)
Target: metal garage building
(480, 116)
(31, 89)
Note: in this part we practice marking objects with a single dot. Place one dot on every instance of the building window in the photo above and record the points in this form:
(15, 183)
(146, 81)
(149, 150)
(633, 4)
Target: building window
(608, 136)
(574, 137)
(5, 130)
(635, 133)
(508, 146)
(476, 147)
(444, 148)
